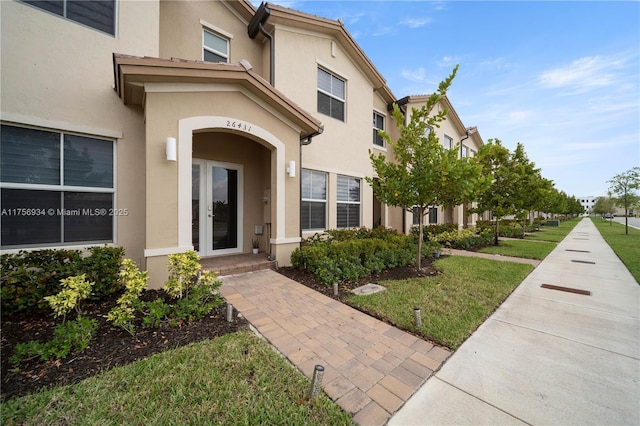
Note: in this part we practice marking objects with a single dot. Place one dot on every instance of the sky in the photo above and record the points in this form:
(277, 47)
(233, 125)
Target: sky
(561, 77)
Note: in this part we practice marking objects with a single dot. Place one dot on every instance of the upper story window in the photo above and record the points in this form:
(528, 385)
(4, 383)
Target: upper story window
(427, 131)
(448, 142)
(214, 47)
(331, 95)
(313, 206)
(378, 124)
(97, 14)
(56, 188)
(348, 214)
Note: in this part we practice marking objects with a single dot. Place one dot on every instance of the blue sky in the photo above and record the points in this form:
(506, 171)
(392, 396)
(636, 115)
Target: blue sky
(563, 78)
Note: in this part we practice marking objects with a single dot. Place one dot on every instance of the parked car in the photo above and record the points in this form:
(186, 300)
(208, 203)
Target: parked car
(608, 216)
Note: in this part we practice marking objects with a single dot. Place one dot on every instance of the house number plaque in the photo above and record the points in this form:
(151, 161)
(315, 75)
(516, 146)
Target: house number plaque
(239, 125)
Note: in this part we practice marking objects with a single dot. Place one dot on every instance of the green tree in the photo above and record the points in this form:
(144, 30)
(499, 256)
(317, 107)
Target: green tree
(527, 185)
(499, 195)
(623, 186)
(421, 172)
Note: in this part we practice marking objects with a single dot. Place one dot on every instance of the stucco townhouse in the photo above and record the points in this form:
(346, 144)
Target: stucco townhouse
(165, 126)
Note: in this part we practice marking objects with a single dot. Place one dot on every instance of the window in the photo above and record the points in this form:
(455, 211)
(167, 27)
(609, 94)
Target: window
(214, 47)
(378, 124)
(313, 207)
(57, 188)
(433, 215)
(472, 153)
(348, 202)
(331, 95)
(448, 142)
(464, 151)
(100, 14)
(427, 131)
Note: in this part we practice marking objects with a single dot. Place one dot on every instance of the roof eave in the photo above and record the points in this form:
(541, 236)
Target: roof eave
(131, 70)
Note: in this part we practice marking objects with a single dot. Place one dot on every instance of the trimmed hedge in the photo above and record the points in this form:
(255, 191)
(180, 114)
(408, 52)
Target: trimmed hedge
(347, 255)
(508, 228)
(27, 277)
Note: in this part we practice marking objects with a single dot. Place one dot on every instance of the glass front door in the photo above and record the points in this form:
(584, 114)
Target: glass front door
(217, 199)
(224, 208)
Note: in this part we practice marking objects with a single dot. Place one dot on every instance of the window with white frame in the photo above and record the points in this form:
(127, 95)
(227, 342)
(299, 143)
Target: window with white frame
(97, 14)
(313, 206)
(448, 142)
(472, 153)
(215, 48)
(57, 188)
(427, 131)
(464, 151)
(378, 124)
(348, 202)
(331, 95)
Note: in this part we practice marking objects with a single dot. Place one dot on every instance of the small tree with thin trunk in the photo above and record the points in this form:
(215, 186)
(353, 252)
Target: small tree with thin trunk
(500, 195)
(623, 186)
(421, 172)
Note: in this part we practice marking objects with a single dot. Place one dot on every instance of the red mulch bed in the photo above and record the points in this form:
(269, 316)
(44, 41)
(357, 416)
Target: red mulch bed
(113, 346)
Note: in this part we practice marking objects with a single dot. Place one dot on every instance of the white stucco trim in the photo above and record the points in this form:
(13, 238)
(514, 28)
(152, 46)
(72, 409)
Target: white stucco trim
(215, 29)
(285, 240)
(60, 125)
(166, 251)
(186, 127)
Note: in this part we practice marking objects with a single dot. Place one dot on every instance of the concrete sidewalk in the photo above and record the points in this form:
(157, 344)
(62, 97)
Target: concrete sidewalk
(547, 356)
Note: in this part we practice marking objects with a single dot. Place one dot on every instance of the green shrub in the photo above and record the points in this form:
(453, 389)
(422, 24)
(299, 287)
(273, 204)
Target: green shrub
(28, 277)
(102, 267)
(134, 282)
(508, 228)
(74, 290)
(352, 254)
(191, 294)
(69, 336)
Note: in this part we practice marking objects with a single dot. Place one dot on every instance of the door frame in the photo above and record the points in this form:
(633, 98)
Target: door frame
(206, 199)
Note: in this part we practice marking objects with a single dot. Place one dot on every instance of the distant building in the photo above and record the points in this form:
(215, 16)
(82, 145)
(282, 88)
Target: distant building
(587, 203)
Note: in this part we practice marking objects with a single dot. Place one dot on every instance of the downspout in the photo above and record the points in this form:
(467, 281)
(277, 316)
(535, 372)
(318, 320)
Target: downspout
(256, 25)
(304, 142)
(271, 54)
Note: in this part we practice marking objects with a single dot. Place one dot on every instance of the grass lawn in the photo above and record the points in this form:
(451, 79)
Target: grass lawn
(554, 233)
(234, 379)
(627, 247)
(521, 248)
(453, 304)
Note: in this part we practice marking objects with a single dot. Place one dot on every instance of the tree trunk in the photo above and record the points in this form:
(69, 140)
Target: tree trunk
(420, 236)
(495, 241)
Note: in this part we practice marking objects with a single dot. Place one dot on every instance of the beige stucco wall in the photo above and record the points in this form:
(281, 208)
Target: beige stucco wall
(165, 106)
(182, 23)
(58, 74)
(342, 149)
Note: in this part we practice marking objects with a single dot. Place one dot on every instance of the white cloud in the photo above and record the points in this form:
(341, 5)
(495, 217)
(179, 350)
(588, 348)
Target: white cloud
(416, 75)
(416, 22)
(583, 73)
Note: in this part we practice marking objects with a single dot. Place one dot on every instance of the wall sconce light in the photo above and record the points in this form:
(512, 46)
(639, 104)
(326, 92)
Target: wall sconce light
(172, 154)
(291, 170)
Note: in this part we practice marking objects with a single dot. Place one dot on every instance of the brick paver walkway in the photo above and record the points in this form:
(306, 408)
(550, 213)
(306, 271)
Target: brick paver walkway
(371, 368)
